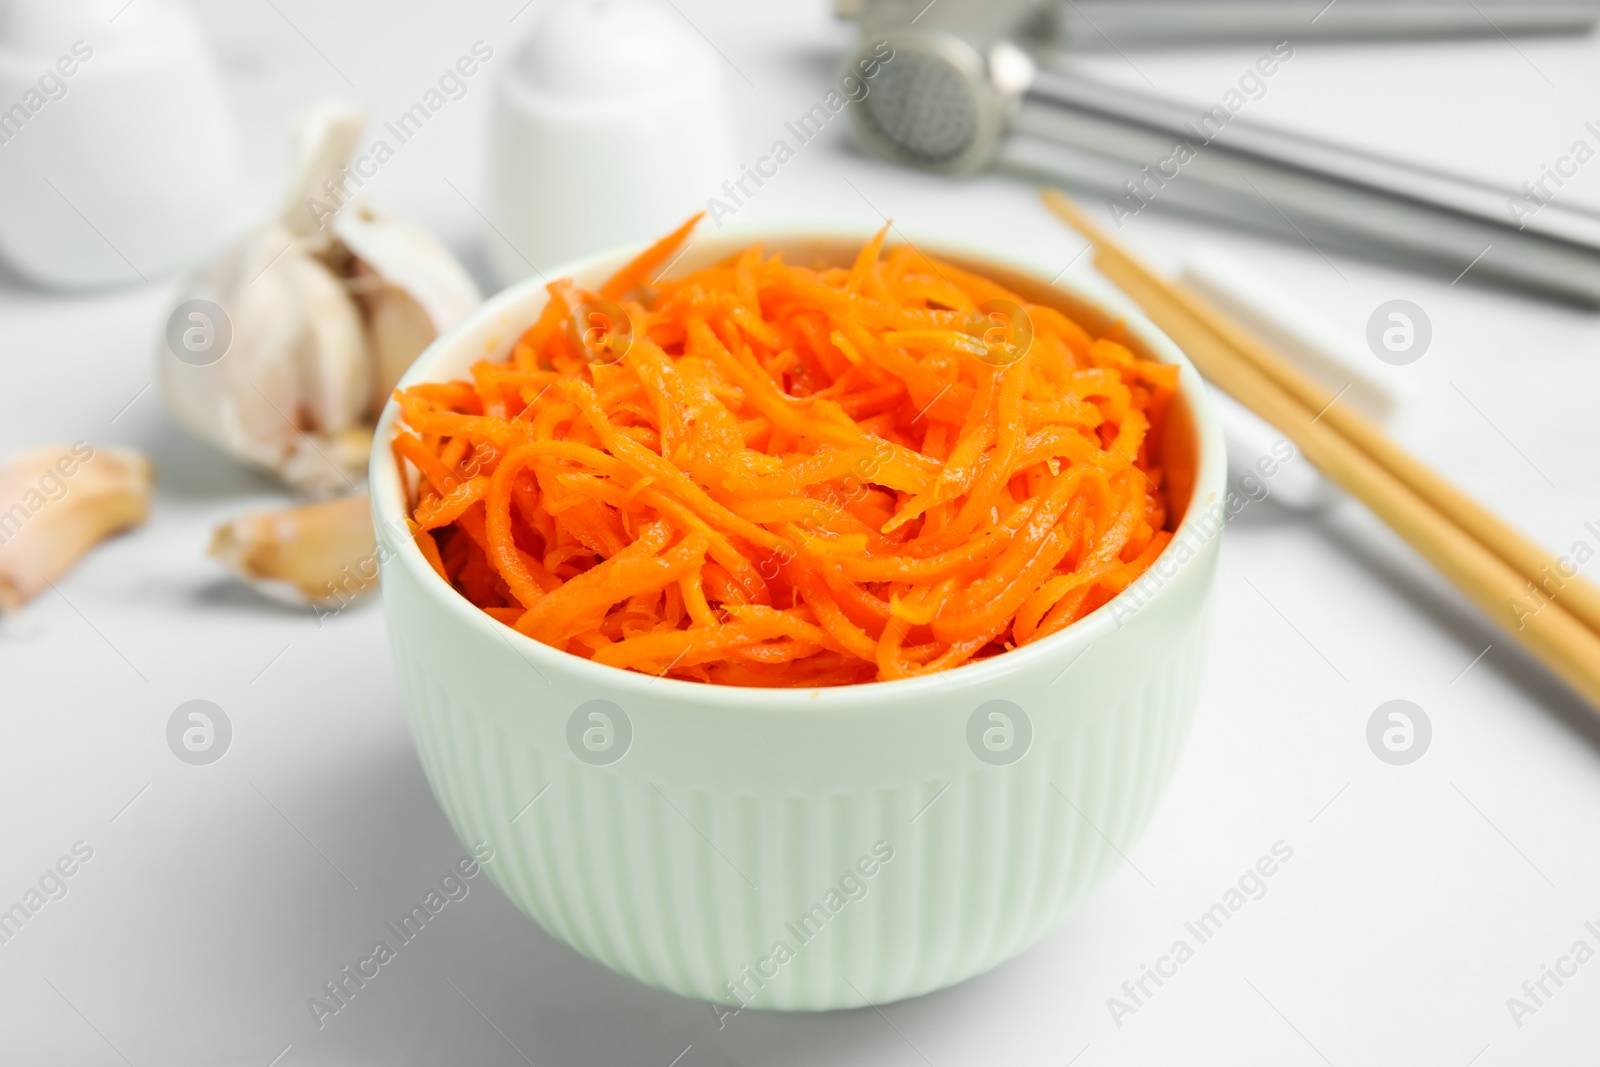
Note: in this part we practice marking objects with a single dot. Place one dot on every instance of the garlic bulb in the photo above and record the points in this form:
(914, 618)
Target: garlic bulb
(316, 555)
(308, 322)
(58, 502)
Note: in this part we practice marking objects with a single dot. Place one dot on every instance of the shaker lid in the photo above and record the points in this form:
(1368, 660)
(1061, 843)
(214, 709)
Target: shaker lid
(37, 32)
(595, 50)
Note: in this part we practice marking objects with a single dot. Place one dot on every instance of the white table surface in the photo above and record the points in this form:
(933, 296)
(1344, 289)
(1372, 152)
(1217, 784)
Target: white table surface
(1419, 898)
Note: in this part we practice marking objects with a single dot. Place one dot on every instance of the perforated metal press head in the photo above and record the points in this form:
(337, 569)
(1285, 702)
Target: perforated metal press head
(934, 104)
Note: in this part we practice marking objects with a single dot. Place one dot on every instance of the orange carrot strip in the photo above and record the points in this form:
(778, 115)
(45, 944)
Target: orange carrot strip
(508, 559)
(793, 476)
(430, 550)
(583, 600)
(638, 270)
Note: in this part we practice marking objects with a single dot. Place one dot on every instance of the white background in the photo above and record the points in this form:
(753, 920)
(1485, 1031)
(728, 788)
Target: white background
(1418, 898)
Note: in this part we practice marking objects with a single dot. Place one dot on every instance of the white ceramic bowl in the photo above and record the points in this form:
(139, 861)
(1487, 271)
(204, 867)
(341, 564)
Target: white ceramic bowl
(806, 849)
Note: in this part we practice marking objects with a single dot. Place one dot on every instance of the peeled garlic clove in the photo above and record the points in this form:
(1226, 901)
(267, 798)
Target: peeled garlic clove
(320, 555)
(59, 501)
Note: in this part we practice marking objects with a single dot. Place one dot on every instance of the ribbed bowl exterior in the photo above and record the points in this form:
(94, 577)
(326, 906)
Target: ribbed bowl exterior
(686, 862)
(803, 850)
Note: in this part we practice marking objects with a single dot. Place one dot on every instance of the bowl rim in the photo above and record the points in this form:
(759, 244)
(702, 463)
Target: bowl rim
(389, 514)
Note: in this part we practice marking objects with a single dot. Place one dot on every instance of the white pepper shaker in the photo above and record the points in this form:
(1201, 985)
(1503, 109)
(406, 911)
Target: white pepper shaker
(609, 127)
(116, 159)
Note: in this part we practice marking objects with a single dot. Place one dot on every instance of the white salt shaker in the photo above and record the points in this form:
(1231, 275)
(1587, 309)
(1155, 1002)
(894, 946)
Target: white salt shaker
(608, 128)
(116, 159)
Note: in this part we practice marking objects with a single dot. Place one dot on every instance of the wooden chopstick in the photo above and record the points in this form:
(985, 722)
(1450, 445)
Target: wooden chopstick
(1486, 559)
(1578, 596)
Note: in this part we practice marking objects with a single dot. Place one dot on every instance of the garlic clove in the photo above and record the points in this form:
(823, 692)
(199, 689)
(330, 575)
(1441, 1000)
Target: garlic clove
(332, 357)
(295, 379)
(315, 555)
(423, 292)
(325, 141)
(398, 329)
(321, 467)
(411, 259)
(58, 502)
(328, 305)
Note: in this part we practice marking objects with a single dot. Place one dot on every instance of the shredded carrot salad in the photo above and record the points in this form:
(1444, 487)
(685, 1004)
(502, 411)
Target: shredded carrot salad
(761, 474)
